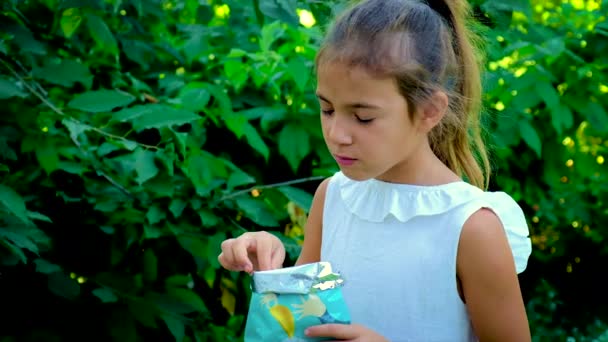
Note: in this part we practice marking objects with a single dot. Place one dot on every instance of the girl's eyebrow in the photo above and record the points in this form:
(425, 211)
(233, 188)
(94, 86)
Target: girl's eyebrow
(363, 105)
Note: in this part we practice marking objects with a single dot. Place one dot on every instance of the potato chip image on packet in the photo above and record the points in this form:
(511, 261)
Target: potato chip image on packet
(284, 302)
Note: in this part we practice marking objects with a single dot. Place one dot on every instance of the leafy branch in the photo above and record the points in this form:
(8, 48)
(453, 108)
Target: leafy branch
(48, 103)
(58, 111)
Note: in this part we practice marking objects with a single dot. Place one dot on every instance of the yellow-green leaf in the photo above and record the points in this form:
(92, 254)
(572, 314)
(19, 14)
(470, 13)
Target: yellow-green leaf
(71, 19)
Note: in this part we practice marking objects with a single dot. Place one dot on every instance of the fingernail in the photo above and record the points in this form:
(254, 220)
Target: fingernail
(307, 332)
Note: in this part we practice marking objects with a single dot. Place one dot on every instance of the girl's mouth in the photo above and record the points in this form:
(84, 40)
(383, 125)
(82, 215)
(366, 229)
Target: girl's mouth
(345, 161)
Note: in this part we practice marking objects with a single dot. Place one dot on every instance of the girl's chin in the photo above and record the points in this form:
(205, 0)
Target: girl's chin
(355, 176)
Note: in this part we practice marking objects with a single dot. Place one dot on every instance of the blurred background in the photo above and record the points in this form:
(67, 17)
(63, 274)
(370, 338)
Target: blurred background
(136, 135)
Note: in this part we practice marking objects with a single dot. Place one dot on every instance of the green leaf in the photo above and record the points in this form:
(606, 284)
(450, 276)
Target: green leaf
(268, 115)
(199, 172)
(43, 266)
(257, 211)
(255, 140)
(19, 238)
(208, 218)
(176, 327)
(13, 203)
(107, 229)
(38, 216)
(70, 21)
(25, 40)
(300, 197)
(178, 280)
(152, 232)
(177, 206)
(597, 117)
(235, 123)
(63, 286)
(192, 245)
(65, 73)
(46, 153)
(270, 33)
(15, 256)
(154, 116)
(284, 10)
(197, 44)
(106, 206)
(526, 97)
(145, 167)
(10, 89)
(299, 72)
(168, 157)
(530, 136)
(105, 295)
(107, 148)
(548, 93)
(554, 48)
(239, 178)
(181, 142)
(155, 215)
(188, 297)
(294, 144)
(561, 118)
(194, 96)
(205, 171)
(150, 272)
(102, 34)
(214, 249)
(101, 100)
(237, 72)
(76, 128)
(7, 152)
(144, 312)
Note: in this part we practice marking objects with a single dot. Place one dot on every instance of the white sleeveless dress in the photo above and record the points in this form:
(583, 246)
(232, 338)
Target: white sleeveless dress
(396, 244)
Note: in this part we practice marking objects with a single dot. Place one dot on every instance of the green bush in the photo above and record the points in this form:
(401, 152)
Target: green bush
(139, 134)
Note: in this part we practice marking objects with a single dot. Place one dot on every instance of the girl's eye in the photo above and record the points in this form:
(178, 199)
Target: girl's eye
(327, 112)
(364, 121)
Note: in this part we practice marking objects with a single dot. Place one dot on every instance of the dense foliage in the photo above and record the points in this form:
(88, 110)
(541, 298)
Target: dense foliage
(139, 134)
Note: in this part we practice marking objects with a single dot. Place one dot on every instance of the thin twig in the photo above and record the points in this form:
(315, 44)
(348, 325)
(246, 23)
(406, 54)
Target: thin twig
(115, 183)
(60, 112)
(275, 185)
(25, 71)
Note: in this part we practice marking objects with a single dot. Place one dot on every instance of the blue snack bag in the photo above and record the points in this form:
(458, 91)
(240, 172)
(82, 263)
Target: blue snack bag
(286, 301)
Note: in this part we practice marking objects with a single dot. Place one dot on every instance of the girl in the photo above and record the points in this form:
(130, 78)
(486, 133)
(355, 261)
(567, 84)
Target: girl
(426, 256)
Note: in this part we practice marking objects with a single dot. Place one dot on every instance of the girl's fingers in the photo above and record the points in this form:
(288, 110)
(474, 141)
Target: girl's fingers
(240, 251)
(263, 249)
(339, 331)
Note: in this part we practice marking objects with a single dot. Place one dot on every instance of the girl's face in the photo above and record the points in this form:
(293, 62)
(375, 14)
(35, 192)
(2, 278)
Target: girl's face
(366, 124)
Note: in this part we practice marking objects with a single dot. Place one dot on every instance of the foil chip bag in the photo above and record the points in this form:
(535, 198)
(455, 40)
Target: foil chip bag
(284, 302)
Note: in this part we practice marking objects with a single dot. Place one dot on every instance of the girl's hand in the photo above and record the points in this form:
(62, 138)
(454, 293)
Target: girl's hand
(257, 251)
(345, 332)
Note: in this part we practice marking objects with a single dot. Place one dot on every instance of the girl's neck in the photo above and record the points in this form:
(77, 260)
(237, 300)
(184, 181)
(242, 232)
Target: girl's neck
(422, 168)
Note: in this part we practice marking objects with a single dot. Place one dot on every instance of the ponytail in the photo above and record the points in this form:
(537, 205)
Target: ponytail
(466, 154)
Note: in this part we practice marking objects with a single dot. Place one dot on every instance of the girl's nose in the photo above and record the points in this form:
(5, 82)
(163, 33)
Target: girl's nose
(338, 132)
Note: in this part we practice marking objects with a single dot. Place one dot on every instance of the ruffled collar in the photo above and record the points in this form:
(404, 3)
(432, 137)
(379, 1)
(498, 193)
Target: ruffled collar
(374, 200)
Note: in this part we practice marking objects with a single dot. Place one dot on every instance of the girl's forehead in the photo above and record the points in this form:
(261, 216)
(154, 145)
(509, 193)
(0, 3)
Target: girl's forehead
(341, 84)
(327, 72)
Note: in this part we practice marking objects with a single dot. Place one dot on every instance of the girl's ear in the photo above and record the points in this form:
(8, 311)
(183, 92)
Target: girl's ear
(433, 110)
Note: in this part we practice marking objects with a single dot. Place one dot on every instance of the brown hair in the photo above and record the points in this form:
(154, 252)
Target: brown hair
(427, 47)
